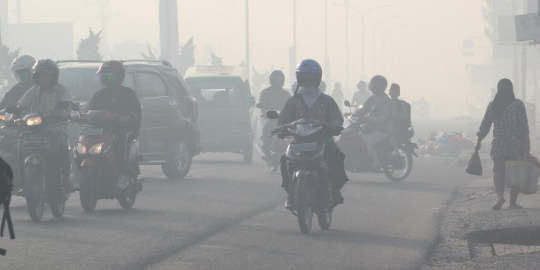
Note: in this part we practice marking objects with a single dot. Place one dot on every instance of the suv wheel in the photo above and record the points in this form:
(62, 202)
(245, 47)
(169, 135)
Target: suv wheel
(178, 162)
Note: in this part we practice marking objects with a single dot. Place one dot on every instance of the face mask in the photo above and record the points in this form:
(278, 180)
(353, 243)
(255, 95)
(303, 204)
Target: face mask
(109, 79)
(310, 95)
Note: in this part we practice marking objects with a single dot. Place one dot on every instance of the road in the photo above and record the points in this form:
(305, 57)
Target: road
(228, 215)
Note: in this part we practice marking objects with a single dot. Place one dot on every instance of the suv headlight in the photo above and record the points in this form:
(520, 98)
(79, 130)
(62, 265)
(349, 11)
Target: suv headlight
(33, 121)
(81, 149)
(95, 149)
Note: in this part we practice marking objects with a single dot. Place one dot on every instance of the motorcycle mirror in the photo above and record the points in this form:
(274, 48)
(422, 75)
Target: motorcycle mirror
(347, 103)
(272, 115)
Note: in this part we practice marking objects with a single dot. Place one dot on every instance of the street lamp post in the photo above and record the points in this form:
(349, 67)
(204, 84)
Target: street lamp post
(346, 43)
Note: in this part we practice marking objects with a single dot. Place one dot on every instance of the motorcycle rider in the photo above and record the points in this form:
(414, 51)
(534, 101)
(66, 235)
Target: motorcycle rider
(309, 102)
(402, 112)
(50, 98)
(338, 95)
(361, 95)
(121, 100)
(272, 98)
(22, 69)
(376, 114)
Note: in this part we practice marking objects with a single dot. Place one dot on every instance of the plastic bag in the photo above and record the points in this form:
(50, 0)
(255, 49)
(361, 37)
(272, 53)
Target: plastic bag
(474, 167)
(522, 175)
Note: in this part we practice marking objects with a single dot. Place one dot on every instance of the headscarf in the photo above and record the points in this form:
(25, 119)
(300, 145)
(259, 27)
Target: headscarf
(504, 97)
(310, 95)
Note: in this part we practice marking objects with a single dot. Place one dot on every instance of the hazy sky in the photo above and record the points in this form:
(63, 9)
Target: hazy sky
(422, 50)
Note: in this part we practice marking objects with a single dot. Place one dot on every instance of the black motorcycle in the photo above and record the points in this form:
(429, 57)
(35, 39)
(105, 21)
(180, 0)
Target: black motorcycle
(395, 153)
(310, 185)
(95, 159)
(41, 171)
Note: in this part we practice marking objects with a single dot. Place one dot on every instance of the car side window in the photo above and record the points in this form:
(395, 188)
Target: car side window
(129, 81)
(151, 85)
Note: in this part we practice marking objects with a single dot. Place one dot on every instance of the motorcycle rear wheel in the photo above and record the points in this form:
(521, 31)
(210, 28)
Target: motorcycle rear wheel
(34, 193)
(325, 219)
(303, 206)
(88, 192)
(128, 201)
(391, 173)
(58, 209)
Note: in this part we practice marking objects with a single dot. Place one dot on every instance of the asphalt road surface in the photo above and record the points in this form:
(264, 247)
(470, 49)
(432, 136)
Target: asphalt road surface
(228, 215)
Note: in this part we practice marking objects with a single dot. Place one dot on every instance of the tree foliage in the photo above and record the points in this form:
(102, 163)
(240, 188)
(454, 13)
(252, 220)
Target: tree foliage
(6, 58)
(187, 56)
(89, 47)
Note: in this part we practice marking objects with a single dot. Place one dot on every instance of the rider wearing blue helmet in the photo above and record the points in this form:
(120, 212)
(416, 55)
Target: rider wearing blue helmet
(309, 101)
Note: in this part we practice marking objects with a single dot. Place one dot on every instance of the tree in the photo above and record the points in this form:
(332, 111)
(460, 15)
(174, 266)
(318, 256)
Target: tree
(89, 47)
(150, 56)
(216, 61)
(187, 56)
(6, 58)
(492, 11)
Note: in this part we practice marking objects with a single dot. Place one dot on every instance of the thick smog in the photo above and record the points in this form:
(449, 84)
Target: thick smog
(284, 134)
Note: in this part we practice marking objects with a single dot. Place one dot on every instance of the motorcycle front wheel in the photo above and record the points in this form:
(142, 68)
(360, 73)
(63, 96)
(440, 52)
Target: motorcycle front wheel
(399, 172)
(34, 183)
(303, 205)
(88, 192)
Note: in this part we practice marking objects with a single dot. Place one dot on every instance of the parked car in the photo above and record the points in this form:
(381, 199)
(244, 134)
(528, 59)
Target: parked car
(169, 134)
(226, 109)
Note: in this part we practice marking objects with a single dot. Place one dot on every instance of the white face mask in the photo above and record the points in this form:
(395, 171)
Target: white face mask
(310, 95)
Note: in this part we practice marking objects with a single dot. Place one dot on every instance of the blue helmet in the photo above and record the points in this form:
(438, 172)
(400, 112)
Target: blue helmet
(309, 73)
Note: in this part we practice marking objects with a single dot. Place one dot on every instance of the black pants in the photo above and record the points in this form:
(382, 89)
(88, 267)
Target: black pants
(335, 159)
(120, 147)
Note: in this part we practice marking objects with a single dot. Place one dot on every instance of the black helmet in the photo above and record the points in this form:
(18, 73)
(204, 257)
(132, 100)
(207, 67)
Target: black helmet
(277, 78)
(378, 83)
(394, 88)
(309, 73)
(46, 65)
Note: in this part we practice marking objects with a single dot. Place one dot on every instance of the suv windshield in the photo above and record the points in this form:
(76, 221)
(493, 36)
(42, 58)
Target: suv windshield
(81, 83)
(218, 94)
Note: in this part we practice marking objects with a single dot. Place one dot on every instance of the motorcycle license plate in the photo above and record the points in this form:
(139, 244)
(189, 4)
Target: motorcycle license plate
(92, 132)
(9, 132)
(38, 143)
(303, 147)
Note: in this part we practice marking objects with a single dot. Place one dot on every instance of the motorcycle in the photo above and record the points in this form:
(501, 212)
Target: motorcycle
(95, 159)
(310, 185)
(40, 167)
(395, 154)
(274, 151)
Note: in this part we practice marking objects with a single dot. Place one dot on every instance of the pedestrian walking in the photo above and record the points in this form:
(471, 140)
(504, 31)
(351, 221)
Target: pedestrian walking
(510, 137)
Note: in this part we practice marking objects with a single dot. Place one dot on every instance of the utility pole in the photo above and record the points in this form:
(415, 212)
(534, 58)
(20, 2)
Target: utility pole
(346, 44)
(19, 12)
(248, 67)
(102, 14)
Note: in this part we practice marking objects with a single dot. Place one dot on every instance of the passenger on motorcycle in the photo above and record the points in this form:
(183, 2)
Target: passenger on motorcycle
(22, 68)
(376, 114)
(309, 102)
(272, 98)
(45, 98)
(121, 100)
(402, 113)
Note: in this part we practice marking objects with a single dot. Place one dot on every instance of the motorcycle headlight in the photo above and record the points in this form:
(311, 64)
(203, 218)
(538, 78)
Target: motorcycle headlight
(95, 149)
(81, 149)
(33, 121)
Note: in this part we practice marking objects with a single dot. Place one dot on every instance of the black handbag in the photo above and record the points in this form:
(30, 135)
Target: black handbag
(475, 165)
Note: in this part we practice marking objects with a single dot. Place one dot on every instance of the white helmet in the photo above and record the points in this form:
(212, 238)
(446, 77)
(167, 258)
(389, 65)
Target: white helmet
(24, 61)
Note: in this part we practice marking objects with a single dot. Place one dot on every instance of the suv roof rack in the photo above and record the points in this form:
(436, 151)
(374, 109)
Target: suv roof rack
(162, 62)
(79, 61)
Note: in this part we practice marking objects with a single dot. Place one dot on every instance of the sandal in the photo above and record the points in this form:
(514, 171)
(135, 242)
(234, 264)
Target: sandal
(498, 205)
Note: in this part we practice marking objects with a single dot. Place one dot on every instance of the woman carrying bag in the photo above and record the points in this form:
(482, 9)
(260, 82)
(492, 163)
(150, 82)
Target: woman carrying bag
(510, 137)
